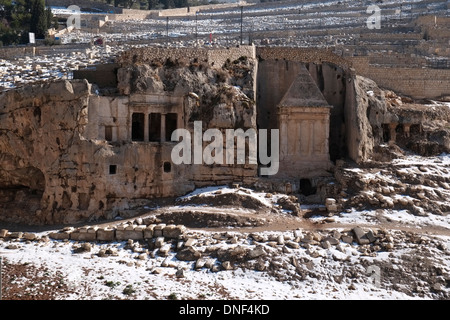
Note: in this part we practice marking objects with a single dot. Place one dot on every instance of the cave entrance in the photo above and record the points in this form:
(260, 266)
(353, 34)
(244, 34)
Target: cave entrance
(21, 191)
(306, 187)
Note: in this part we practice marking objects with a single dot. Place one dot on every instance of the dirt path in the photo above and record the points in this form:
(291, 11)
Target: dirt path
(276, 222)
(306, 224)
(285, 222)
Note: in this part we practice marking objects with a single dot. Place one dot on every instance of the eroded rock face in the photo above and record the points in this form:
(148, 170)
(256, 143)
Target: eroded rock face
(225, 94)
(382, 117)
(41, 145)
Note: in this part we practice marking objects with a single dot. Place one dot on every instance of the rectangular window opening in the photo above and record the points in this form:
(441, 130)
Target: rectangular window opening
(112, 169)
(108, 133)
(167, 167)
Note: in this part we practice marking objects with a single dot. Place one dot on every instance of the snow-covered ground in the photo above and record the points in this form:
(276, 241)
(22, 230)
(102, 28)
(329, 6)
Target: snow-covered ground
(290, 268)
(88, 276)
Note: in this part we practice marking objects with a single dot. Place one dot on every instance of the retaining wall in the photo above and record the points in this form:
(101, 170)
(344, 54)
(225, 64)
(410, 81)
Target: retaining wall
(414, 81)
(120, 232)
(216, 57)
(306, 55)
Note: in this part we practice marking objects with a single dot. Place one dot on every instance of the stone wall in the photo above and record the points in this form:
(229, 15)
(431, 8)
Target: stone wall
(121, 232)
(129, 14)
(417, 83)
(14, 52)
(139, 229)
(105, 76)
(215, 57)
(305, 55)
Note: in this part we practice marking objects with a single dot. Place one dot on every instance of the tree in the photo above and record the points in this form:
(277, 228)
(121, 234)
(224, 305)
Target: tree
(181, 3)
(19, 17)
(13, 19)
(153, 4)
(49, 17)
(39, 22)
(168, 4)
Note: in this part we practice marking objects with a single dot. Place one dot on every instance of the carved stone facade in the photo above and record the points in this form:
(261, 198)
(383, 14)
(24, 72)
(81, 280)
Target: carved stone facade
(304, 122)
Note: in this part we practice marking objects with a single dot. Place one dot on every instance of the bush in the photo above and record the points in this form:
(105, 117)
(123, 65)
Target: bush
(128, 290)
(172, 296)
(111, 284)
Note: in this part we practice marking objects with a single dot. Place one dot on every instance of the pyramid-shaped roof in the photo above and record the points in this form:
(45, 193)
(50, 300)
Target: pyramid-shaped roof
(303, 92)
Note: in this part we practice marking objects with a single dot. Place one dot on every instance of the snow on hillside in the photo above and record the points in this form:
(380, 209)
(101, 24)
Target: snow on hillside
(309, 259)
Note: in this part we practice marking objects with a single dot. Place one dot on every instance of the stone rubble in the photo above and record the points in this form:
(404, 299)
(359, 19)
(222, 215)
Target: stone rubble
(299, 256)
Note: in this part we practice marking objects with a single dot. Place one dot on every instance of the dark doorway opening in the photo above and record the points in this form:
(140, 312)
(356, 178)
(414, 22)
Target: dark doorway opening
(154, 127)
(137, 127)
(306, 187)
(112, 169)
(167, 167)
(171, 125)
(108, 133)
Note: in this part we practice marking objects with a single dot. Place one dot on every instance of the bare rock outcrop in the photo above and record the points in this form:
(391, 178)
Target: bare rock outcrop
(225, 94)
(40, 153)
(385, 118)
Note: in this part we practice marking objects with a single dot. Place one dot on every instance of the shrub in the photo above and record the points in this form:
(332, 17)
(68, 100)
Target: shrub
(128, 290)
(172, 296)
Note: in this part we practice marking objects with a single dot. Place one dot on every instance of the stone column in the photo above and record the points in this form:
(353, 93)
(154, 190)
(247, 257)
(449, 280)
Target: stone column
(146, 127)
(283, 137)
(392, 132)
(406, 129)
(311, 137)
(163, 127)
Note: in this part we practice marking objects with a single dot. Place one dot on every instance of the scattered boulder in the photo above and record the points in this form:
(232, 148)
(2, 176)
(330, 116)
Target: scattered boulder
(199, 264)
(363, 237)
(227, 265)
(256, 252)
(235, 254)
(179, 273)
(326, 244)
(287, 204)
(82, 248)
(29, 236)
(165, 249)
(190, 242)
(188, 254)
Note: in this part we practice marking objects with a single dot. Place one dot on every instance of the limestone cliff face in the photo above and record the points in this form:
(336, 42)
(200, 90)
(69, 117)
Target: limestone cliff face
(366, 114)
(41, 149)
(380, 117)
(69, 153)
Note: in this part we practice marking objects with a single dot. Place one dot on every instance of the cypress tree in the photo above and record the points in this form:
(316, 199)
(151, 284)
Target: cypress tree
(39, 21)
